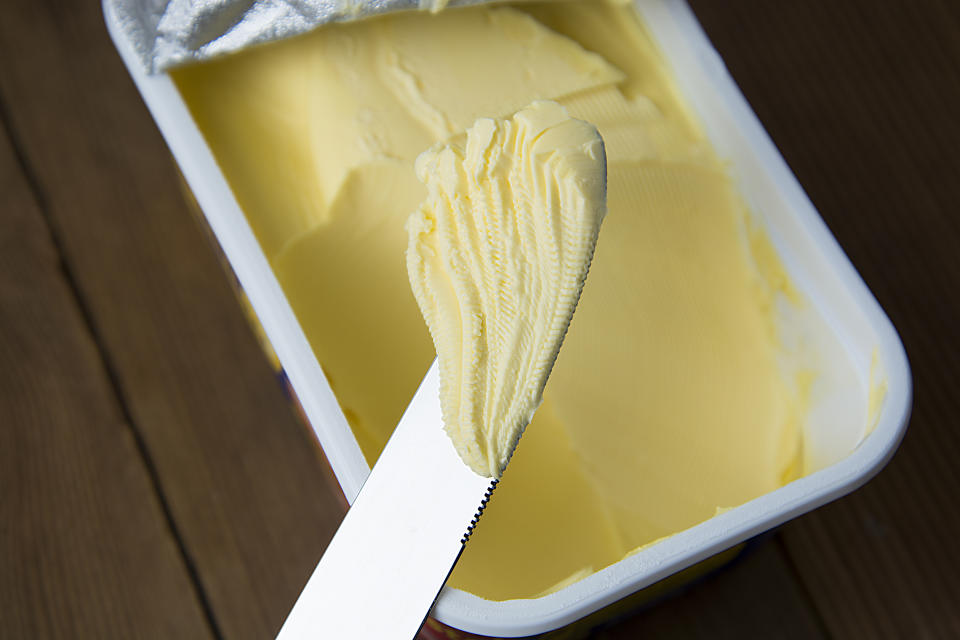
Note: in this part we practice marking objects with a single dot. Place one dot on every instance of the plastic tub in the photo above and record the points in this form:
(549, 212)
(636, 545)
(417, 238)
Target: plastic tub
(860, 403)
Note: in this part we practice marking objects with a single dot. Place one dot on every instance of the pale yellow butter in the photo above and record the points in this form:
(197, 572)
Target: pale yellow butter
(301, 114)
(498, 255)
(666, 401)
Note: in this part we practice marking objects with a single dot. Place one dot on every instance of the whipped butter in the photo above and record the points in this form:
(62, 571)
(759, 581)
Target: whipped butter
(666, 402)
(498, 255)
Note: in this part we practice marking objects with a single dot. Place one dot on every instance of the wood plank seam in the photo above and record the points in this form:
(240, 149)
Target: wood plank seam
(7, 129)
(241, 475)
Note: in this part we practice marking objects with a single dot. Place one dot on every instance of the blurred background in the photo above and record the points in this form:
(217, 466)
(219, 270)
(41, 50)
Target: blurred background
(156, 482)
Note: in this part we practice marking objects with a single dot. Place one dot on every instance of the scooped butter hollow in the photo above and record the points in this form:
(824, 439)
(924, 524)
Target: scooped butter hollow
(498, 254)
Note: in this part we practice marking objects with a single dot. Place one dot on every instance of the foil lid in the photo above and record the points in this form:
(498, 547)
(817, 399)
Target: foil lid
(167, 33)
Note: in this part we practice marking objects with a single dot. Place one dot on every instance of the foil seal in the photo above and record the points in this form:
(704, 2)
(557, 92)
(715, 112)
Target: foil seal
(168, 33)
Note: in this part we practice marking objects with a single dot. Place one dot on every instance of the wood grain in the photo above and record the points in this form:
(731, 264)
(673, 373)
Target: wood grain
(861, 97)
(85, 549)
(756, 597)
(863, 100)
(240, 474)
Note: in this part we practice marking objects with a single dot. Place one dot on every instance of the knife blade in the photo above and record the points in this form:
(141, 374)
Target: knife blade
(398, 543)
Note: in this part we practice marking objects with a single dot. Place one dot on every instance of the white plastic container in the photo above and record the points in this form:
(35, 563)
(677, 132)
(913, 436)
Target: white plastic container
(856, 352)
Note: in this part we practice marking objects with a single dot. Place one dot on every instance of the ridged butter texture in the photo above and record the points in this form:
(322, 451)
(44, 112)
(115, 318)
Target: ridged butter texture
(498, 255)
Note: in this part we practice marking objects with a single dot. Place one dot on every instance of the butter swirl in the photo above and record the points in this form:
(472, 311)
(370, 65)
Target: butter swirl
(498, 254)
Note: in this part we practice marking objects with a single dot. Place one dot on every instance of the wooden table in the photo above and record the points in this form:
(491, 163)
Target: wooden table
(154, 481)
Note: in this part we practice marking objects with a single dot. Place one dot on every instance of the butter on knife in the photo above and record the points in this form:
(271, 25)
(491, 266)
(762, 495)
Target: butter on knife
(498, 255)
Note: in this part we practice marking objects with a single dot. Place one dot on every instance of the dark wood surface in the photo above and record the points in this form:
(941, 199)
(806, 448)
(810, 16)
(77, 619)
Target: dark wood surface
(155, 482)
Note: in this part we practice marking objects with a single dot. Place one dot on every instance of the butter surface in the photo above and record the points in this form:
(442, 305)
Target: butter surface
(309, 110)
(666, 401)
(498, 255)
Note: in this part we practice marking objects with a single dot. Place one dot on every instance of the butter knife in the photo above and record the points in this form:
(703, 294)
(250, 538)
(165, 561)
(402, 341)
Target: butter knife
(399, 541)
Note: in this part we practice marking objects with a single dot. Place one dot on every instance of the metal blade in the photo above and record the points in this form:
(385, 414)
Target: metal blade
(398, 542)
